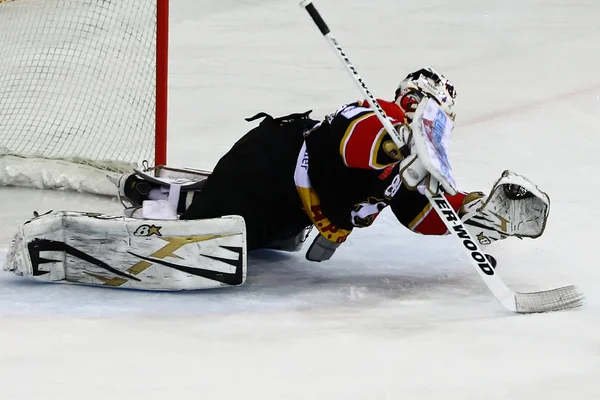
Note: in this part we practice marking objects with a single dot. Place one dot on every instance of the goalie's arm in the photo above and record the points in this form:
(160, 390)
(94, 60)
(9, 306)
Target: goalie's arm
(414, 211)
(514, 207)
(363, 141)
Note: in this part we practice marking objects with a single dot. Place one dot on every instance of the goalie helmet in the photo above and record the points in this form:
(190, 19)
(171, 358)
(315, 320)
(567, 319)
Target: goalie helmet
(421, 83)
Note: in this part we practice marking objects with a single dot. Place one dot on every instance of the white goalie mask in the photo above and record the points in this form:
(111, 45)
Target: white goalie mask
(421, 83)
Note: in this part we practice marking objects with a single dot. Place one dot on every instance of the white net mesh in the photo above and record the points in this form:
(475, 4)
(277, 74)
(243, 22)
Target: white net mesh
(77, 81)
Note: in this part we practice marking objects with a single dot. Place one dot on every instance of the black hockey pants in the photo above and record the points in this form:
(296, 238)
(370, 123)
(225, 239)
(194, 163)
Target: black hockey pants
(255, 179)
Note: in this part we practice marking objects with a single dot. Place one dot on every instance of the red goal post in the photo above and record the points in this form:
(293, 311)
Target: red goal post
(83, 90)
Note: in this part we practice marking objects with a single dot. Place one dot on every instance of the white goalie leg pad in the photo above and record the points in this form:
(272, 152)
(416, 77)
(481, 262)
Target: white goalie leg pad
(514, 207)
(114, 251)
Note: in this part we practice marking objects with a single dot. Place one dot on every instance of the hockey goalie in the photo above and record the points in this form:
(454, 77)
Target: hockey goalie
(187, 229)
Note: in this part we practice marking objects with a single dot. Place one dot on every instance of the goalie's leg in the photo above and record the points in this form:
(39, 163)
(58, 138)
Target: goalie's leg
(156, 184)
(112, 251)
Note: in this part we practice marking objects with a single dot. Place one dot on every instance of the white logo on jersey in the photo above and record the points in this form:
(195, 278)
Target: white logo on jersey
(394, 186)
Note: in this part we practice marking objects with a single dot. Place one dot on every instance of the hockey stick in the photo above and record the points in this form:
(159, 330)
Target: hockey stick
(535, 302)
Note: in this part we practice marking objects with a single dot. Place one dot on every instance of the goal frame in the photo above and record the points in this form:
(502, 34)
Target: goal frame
(162, 81)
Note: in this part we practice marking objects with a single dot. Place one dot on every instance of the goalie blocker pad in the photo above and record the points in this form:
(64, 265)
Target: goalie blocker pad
(432, 131)
(114, 251)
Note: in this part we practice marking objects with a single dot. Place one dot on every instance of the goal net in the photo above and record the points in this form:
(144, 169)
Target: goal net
(83, 86)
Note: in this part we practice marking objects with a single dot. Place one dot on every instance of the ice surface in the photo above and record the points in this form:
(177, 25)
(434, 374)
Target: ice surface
(393, 315)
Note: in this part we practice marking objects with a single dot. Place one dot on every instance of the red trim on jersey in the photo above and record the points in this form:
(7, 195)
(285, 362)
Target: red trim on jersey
(432, 224)
(363, 132)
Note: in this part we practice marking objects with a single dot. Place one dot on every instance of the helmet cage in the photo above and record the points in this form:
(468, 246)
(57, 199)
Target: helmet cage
(431, 84)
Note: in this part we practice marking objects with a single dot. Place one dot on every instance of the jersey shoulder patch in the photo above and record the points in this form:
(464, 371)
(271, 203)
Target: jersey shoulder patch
(364, 142)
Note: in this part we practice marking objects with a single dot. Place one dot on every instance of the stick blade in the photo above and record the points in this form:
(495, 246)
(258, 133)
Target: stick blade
(549, 300)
